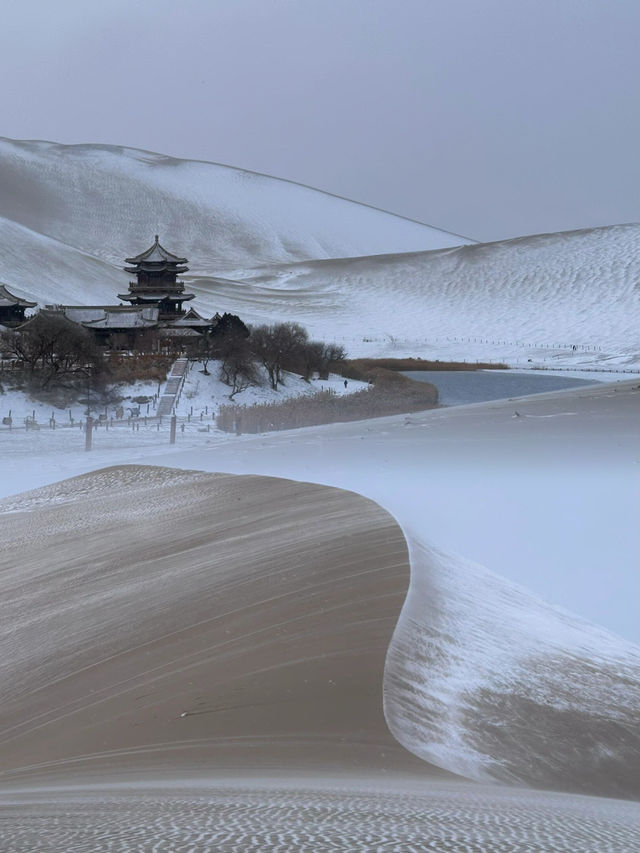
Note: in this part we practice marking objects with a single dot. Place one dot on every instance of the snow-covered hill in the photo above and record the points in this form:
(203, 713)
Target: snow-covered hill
(271, 250)
(108, 202)
(39, 267)
(535, 296)
(490, 681)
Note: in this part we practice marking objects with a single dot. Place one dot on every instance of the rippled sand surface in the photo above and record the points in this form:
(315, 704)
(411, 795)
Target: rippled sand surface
(163, 625)
(170, 619)
(355, 815)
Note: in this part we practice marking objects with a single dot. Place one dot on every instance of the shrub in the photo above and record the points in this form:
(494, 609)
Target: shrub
(387, 398)
(362, 368)
(150, 367)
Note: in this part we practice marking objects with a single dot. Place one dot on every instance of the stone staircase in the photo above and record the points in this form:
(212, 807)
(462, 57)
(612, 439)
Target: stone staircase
(168, 398)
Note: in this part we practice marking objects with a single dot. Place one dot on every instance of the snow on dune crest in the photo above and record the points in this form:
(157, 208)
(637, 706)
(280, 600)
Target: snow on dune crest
(108, 201)
(492, 300)
(487, 680)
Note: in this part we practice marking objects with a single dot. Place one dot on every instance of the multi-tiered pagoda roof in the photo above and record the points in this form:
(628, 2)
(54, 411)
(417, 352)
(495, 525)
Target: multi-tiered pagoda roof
(156, 272)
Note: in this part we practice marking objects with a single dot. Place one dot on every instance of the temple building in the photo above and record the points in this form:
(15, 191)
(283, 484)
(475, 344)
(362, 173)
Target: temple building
(117, 326)
(156, 272)
(12, 308)
(153, 321)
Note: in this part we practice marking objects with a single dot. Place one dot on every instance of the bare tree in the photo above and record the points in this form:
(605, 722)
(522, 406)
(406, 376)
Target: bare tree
(54, 349)
(236, 365)
(319, 357)
(278, 348)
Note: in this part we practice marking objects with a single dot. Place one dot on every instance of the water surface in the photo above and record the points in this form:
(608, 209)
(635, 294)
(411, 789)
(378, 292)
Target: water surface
(459, 387)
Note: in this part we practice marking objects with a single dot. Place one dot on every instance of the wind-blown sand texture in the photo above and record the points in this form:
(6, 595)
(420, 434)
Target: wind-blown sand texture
(313, 816)
(155, 618)
(194, 662)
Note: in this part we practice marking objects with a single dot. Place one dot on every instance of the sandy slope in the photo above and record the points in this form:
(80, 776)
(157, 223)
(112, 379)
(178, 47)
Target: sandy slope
(178, 620)
(207, 653)
(535, 296)
(108, 201)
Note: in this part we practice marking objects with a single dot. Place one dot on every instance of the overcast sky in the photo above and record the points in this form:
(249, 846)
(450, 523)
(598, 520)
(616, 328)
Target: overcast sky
(490, 118)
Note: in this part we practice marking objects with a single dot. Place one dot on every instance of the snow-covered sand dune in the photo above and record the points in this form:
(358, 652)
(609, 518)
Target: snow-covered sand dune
(50, 272)
(164, 621)
(535, 296)
(488, 680)
(271, 250)
(108, 202)
(196, 662)
(224, 623)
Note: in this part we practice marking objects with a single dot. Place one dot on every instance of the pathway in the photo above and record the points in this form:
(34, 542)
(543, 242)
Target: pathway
(169, 396)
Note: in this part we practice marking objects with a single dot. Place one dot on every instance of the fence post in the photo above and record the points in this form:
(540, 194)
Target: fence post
(172, 432)
(88, 432)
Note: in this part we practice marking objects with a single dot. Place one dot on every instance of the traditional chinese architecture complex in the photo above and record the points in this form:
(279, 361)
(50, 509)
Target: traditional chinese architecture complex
(154, 319)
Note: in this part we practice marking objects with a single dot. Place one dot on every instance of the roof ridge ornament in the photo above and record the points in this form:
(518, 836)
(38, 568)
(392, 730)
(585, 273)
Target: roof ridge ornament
(156, 253)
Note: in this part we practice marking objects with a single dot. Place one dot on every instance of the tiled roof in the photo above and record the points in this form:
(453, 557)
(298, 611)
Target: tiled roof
(156, 297)
(121, 321)
(191, 322)
(112, 316)
(7, 299)
(173, 332)
(156, 254)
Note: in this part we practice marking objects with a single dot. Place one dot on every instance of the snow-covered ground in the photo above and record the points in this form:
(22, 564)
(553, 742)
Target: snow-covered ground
(199, 399)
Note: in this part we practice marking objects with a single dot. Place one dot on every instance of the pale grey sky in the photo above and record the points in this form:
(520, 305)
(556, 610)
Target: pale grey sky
(490, 118)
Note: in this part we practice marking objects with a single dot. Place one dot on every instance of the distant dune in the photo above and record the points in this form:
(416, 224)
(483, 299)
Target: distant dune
(539, 295)
(108, 202)
(271, 250)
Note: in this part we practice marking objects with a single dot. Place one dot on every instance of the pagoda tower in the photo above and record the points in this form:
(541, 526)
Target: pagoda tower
(156, 272)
